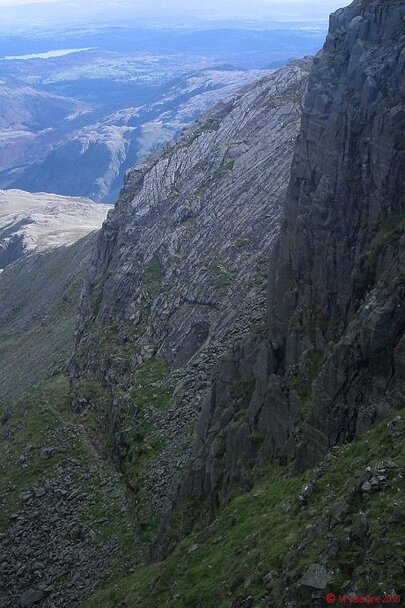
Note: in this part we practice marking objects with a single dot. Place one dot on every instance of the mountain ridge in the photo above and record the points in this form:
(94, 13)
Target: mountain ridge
(98, 145)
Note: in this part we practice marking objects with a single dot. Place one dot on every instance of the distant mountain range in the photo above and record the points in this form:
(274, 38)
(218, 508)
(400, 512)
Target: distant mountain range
(78, 108)
(57, 144)
(25, 112)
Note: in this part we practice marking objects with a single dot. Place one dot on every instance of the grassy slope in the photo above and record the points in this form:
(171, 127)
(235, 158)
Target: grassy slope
(39, 303)
(36, 422)
(265, 530)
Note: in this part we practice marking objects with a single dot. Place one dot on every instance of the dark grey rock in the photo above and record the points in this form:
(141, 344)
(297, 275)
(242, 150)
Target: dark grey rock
(269, 579)
(323, 256)
(360, 528)
(31, 597)
(316, 577)
(397, 514)
(307, 490)
(337, 512)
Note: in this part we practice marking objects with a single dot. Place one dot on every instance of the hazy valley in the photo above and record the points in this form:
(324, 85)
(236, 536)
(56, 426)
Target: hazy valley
(78, 121)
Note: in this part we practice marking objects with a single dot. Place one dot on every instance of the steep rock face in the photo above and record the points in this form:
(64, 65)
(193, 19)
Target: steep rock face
(341, 263)
(332, 365)
(179, 276)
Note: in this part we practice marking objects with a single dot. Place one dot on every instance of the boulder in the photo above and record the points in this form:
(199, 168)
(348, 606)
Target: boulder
(31, 597)
(316, 577)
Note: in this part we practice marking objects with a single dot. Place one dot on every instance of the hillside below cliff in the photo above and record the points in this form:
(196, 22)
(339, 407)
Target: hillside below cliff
(39, 308)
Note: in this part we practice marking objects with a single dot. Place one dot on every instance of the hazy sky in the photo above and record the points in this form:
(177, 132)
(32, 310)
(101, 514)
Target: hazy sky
(208, 6)
(181, 3)
(22, 15)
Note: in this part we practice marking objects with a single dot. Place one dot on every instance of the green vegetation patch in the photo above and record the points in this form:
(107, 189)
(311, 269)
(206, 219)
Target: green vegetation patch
(210, 125)
(390, 234)
(141, 443)
(302, 378)
(242, 242)
(242, 392)
(266, 531)
(122, 342)
(224, 169)
(152, 278)
(146, 390)
(110, 516)
(94, 393)
(259, 279)
(224, 277)
(97, 294)
(153, 273)
(24, 430)
(141, 451)
(308, 319)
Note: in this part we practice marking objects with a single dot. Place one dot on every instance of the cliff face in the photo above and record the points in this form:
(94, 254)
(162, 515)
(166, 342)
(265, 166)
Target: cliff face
(174, 353)
(179, 277)
(338, 287)
(205, 381)
(332, 364)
